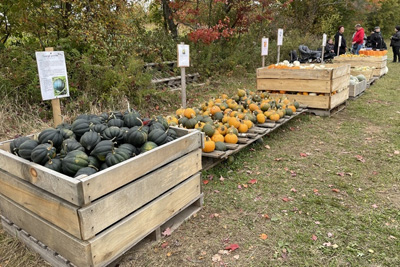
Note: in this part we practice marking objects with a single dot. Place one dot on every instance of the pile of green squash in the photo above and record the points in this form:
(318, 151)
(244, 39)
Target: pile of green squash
(94, 142)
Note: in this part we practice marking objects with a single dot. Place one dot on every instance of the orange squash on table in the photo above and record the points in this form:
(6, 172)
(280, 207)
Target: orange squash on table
(231, 138)
(274, 117)
(293, 108)
(209, 145)
(222, 129)
(234, 122)
(217, 137)
(248, 122)
(214, 110)
(243, 128)
(260, 118)
(189, 113)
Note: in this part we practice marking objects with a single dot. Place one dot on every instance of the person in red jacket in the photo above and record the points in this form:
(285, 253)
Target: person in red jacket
(358, 39)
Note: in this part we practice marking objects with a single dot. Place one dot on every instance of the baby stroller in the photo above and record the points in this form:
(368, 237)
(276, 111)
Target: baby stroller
(309, 56)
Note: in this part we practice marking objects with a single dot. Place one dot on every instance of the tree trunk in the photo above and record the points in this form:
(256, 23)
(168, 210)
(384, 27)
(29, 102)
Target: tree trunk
(167, 14)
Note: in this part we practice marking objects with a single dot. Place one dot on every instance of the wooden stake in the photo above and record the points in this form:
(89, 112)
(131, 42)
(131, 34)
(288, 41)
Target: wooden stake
(55, 103)
(183, 84)
(279, 53)
(323, 52)
(263, 61)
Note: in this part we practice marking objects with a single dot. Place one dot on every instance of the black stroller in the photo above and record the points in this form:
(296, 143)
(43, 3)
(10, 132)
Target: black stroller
(308, 56)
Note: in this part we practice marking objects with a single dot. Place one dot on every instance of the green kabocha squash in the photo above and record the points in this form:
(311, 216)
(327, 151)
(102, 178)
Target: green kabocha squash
(69, 145)
(80, 126)
(98, 128)
(136, 136)
(289, 112)
(94, 162)
(172, 133)
(102, 149)
(16, 143)
(116, 114)
(86, 171)
(209, 130)
(104, 116)
(103, 166)
(117, 156)
(163, 121)
(168, 139)
(115, 122)
(52, 135)
(89, 140)
(54, 164)
(157, 136)
(42, 153)
(296, 104)
(26, 148)
(64, 125)
(67, 134)
(113, 133)
(83, 117)
(74, 161)
(156, 125)
(190, 123)
(148, 146)
(183, 120)
(220, 146)
(130, 149)
(218, 116)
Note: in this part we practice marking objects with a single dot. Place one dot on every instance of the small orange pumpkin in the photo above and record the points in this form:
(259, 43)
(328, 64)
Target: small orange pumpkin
(217, 137)
(209, 145)
(189, 113)
(243, 128)
(231, 138)
(274, 117)
(260, 118)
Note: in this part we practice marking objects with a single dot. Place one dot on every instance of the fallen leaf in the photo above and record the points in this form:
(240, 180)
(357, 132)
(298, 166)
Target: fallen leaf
(370, 251)
(293, 173)
(349, 174)
(223, 252)
(167, 232)
(317, 222)
(216, 191)
(396, 152)
(360, 158)
(232, 247)
(303, 155)
(293, 190)
(263, 236)
(314, 238)
(164, 245)
(252, 181)
(205, 182)
(239, 186)
(331, 185)
(335, 190)
(340, 174)
(236, 257)
(203, 253)
(285, 199)
(328, 244)
(221, 179)
(315, 190)
(267, 147)
(214, 215)
(278, 159)
(245, 185)
(266, 216)
(216, 258)
(249, 172)
(335, 246)
(375, 206)
(169, 254)
(330, 234)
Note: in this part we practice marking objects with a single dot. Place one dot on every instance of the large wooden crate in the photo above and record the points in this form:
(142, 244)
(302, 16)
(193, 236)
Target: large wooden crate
(332, 82)
(93, 219)
(357, 89)
(369, 61)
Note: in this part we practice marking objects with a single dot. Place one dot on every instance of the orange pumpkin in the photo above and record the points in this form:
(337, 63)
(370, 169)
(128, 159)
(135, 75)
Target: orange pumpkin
(234, 122)
(260, 118)
(209, 145)
(189, 113)
(249, 123)
(217, 137)
(222, 129)
(214, 110)
(243, 128)
(293, 108)
(274, 117)
(231, 138)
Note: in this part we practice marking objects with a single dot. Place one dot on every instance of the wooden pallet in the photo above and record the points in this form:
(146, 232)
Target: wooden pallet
(214, 158)
(328, 112)
(57, 260)
(372, 81)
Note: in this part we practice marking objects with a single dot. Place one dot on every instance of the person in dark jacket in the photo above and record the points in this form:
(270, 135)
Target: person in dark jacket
(343, 47)
(377, 39)
(395, 44)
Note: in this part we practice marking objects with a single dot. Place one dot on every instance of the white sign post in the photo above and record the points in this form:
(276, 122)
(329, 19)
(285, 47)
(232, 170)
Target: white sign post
(280, 42)
(339, 45)
(264, 50)
(53, 79)
(183, 62)
(323, 46)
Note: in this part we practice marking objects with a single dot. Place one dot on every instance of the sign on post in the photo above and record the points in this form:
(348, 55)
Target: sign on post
(280, 42)
(323, 46)
(339, 44)
(264, 49)
(183, 62)
(53, 79)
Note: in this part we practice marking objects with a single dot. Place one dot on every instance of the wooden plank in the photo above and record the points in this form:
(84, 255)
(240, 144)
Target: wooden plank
(114, 241)
(339, 98)
(231, 146)
(378, 72)
(51, 181)
(5, 145)
(45, 205)
(297, 74)
(117, 205)
(45, 252)
(340, 70)
(99, 184)
(267, 125)
(75, 250)
(362, 61)
(321, 102)
(294, 85)
(215, 154)
(340, 83)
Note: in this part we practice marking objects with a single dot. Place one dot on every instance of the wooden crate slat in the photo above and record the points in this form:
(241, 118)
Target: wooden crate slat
(340, 83)
(293, 85)
(302, 74)
(231, 146)
(355, 90)
(115, 240)
(76, 250)
(339, 98)
(51, 181)
(106, 211)
(101, 183)
(48, 207)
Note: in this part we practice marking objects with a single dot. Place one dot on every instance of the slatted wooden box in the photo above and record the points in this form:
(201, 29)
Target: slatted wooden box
(379, 63)
(332, 82)
(357, 89)
(367, 73)
(92, 220)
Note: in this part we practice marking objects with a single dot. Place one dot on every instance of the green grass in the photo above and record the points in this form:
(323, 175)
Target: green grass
(356, 226)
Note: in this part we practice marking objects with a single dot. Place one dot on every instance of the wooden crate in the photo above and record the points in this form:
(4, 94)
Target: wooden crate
(84, 212)
(357, 89)
(369, 61)
(332, 78)
(379, 72)
(367, 73)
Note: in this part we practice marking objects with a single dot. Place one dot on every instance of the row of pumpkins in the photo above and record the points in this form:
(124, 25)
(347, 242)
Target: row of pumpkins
(94, 142)
(222, 119)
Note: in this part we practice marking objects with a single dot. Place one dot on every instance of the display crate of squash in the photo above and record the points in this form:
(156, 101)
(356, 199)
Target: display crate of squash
(315, 86)
(378, 63)
(91, 219)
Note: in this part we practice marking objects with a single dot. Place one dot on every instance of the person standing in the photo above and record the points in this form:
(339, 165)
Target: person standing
(395, 44)
(343, 47)
(358, 39)
(377, 39)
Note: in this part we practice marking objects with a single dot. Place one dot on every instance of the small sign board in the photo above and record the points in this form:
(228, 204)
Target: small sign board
(324, 39)
(52, 74)
(264, 46)
(183, 56)
(280, 36)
